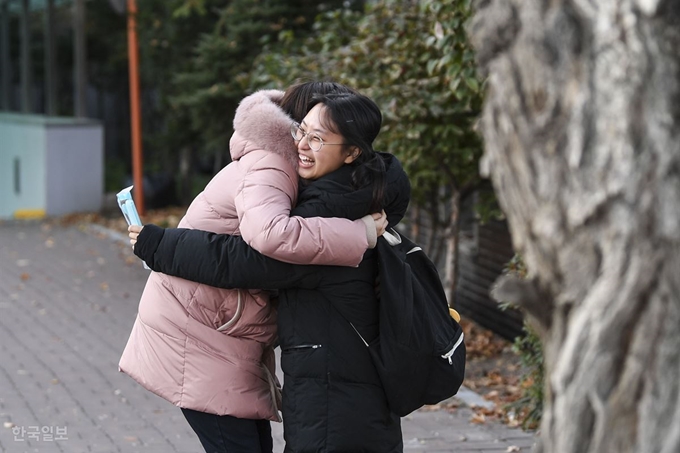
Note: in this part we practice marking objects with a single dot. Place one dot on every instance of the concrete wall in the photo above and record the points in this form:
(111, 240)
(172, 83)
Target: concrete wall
(50, 165)
(22, 167)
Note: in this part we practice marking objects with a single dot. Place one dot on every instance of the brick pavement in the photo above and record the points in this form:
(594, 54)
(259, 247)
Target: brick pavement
(68, 298)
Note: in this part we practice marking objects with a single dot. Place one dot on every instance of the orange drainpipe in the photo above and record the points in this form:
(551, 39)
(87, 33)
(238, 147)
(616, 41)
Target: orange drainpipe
(135, 115)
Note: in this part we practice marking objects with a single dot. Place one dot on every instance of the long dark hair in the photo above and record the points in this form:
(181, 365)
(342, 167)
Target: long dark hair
(298, 99)
(358, 120)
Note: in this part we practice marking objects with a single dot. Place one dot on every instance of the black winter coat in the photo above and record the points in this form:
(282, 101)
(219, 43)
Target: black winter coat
(332, 398)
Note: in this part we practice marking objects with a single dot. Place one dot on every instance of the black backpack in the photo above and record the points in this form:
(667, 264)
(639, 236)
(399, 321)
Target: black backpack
(419, 352)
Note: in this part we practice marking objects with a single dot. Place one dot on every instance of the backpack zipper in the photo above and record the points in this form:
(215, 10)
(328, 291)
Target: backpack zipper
(303, 346)
(455, 346)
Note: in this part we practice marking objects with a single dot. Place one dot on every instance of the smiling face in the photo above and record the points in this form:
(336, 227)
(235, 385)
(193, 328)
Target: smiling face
(331, 156)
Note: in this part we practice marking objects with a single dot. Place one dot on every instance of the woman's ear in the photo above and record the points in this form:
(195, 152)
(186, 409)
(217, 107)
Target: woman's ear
(354, 153)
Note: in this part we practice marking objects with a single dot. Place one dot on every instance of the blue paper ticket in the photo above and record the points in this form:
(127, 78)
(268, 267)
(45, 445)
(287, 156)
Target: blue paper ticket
(127, 205)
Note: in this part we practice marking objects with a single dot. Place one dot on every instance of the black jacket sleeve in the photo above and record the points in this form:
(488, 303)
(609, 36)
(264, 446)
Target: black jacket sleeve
(218, 260)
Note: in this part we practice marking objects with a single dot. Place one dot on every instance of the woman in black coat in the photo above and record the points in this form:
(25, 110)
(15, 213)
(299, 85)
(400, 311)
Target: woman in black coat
(332, 397)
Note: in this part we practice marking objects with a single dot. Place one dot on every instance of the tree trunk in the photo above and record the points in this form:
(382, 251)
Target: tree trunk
(185, 175)
(451, 260)
(582, 132)
(414, 218)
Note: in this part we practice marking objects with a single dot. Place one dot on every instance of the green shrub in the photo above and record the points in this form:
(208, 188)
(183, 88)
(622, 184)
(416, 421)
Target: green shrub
(115, 172)
(529, 408)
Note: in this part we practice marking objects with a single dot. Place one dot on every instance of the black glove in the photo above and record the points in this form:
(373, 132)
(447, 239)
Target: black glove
(147, 243)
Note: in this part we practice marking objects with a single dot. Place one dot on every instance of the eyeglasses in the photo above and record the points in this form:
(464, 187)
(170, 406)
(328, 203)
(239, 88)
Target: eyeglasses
(313, 140)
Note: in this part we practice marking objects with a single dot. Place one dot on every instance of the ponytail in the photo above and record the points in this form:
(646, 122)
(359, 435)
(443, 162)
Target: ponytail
(370, 173)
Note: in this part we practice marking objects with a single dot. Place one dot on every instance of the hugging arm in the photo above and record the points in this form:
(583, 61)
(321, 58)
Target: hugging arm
(217, 260)
(263, 204)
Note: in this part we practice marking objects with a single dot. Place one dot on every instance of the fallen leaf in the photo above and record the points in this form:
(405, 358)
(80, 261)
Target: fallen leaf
(493, 394)
(478, 419)
(431, 407)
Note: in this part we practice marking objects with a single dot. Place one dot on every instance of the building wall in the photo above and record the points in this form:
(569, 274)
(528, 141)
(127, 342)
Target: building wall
(22, 165)
(49, 165)
(75, 169)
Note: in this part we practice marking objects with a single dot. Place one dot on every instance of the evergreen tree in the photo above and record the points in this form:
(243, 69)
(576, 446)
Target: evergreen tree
(217, 80)
(414, 59)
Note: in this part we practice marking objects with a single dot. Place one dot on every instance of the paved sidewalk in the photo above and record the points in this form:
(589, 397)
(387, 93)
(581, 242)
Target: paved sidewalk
(68, 298)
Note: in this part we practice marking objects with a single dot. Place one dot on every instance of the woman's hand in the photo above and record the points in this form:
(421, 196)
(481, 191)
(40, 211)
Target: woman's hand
(380, 219)
(134, 231)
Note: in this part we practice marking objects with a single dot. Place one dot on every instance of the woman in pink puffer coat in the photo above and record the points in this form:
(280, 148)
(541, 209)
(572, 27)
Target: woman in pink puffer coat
(209, 350)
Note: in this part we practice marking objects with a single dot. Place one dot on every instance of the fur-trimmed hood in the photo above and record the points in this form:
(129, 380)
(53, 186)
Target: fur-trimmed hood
(259, 123)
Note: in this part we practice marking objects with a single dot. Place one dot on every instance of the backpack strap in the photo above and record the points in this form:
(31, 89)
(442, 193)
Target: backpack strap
(392, 237)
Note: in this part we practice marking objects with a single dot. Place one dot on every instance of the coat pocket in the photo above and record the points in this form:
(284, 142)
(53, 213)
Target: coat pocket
(304, 360)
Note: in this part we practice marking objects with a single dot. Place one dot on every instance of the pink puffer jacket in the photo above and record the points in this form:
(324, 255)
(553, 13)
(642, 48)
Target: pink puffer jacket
(211, 349)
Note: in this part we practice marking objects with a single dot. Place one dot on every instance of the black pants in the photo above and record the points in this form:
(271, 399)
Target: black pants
(227, 434)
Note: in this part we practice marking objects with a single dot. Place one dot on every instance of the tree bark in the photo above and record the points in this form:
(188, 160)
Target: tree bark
(451, 262)
(582, 141)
